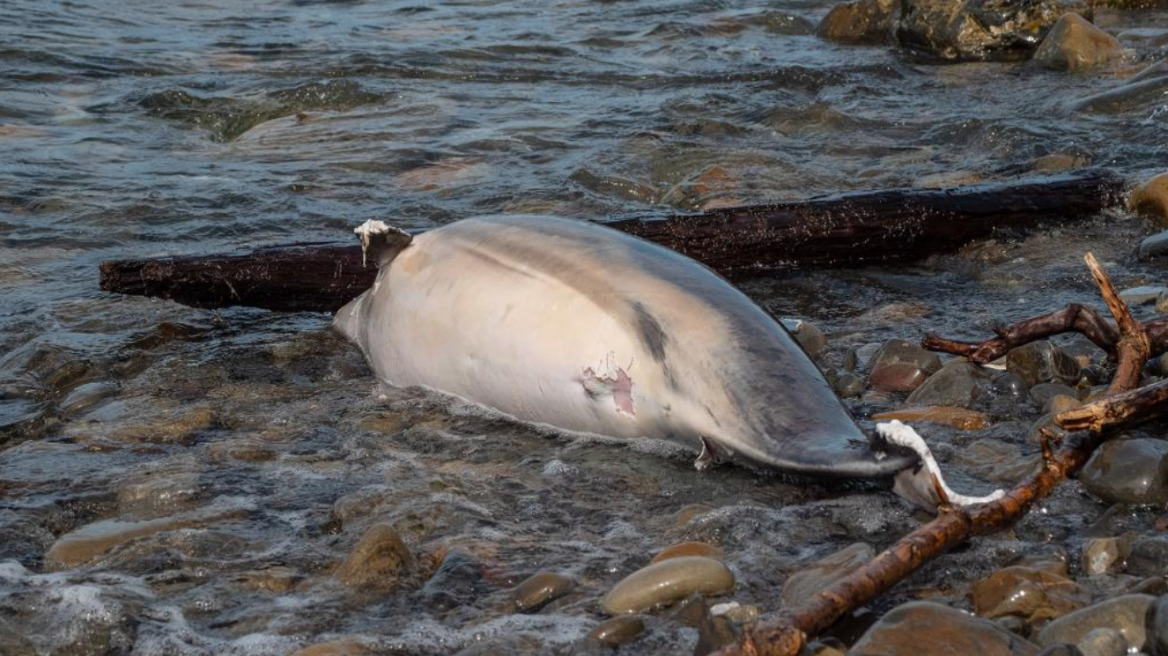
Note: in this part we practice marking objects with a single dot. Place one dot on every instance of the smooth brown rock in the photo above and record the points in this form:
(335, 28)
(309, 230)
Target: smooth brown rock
(688, 549)
(1128, 471)
(379, 560)
(618, 630)
(1035, 595)
(272, 579)
(666, 582)
(1125, 614)
(1074, 44)
(898, 377)
(959, 418)
(925, 628)
(812, 579)
(342, 647)
(1151, 199)
(540, 589)
(689, 511)
(958, 383)
(92, 540)
(860, 21)
(1104, 555)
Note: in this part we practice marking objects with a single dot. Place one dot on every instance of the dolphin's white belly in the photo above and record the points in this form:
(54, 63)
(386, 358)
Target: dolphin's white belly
(509, 338)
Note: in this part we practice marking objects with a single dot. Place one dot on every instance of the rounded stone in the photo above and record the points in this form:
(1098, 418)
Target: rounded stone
(1103, 642)
(539, 590)
(922, 627)
(379, 560)
(1074, 44)
(897, 377)
(1128, 471)
(1151, 199)
(666, 582)
(849, 385)
(688, 549)
(1010, 384)
(1125, 614)
(860, 21)
(1156, 627)
(618, 630)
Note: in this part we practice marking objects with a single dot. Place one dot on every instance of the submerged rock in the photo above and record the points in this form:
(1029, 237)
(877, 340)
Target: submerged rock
(1154, 246)
(958, 383)
(1156, 627)
(682, 549)
(813, 578)
(1103, 642)
(1103, 555)
(1128, 471)
(341, 647)
(1042, 362)
(1033, 594)
(922, 627)
(1074, 44)
(1148, 556)
(379, 560)
(859, 21)
(1151, 199)
(618, 630)
(1142, 295)
(898, 377)
(1124, 614)
(539, 590)
(959, 418)
(980, 29)
(901, 351)
(666, 582)
(92, 540)
(1142, 91)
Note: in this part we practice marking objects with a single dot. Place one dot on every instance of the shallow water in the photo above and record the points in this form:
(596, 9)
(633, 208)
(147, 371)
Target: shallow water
(144, 129)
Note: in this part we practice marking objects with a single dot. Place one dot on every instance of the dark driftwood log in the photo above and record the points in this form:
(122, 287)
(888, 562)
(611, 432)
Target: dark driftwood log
(300, 278)
(899, 225)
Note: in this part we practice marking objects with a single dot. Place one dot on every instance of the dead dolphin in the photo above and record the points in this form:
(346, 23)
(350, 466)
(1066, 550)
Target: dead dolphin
(581, 327)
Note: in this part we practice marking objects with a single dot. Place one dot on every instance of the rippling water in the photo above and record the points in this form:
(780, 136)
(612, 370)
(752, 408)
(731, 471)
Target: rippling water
(142, 129)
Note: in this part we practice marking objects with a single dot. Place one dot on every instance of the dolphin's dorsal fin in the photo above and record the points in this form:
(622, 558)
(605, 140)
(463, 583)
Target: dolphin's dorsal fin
(382, 241)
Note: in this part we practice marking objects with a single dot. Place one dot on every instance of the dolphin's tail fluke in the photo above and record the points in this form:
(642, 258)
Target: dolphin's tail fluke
(922, 485)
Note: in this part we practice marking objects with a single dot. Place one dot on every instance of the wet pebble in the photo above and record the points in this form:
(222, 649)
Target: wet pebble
(666, 582)
(92, 540)
(813, 578)
(901, 351)
(688, 549)
(849, 386)
(1010, 384)
(958, 383)
(688, 512)
(1074, 44)
(379, 560)
(1154, 246)
(1030, 593)
(1060, 403)
(1060, 650)
(1103, 555)
(1148, 555)
(736, 612)
(809, 336)
(898, 377)
(84, 397)
(159, 490)
(1156, 627)
(277, 579)
(539, 590)
(618, 630)
(1042, 393)
(1124, 614)
(1142, 295)
(922, 627)
(179, 429)
(1128, 471)
(1151, 199)
(859, 21)
(1103, 642)
(341, 647)
(959, 418)
(1042, 362)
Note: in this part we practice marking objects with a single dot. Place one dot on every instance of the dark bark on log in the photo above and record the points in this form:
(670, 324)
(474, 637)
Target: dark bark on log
(787, 635)
(301, 278)
(900, 225)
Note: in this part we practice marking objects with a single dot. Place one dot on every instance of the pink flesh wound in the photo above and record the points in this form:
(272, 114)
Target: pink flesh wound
(620, 387)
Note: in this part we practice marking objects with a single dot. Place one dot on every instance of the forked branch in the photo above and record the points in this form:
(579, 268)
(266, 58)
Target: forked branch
(1131, 344)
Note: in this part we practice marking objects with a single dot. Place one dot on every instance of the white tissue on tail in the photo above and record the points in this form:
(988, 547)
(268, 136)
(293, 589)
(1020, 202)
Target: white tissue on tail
(916, 484)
